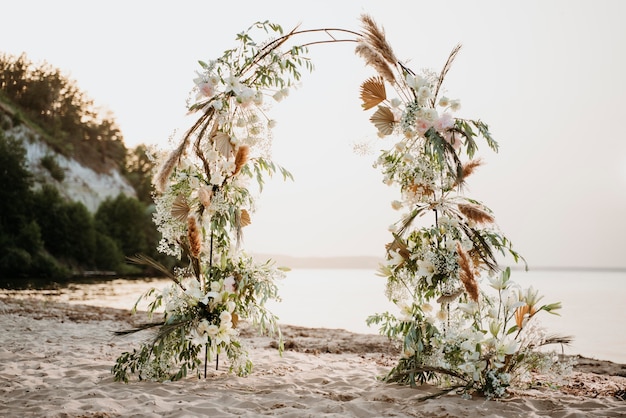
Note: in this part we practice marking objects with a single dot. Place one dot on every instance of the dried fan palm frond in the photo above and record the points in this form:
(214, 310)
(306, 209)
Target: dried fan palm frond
(373, 92)
(180, 209)
(375, 37)
(466, 274)
(205, 195)
(244, 218)
(241, 158)
(223, 144)
(475, 213)
(449, 297)
(375, 60)
(384, 120)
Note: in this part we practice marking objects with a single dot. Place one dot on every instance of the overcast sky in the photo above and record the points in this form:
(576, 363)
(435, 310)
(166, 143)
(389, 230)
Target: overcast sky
(547, 76)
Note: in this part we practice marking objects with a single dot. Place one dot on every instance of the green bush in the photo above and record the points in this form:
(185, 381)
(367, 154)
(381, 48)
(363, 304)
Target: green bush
(50, 163)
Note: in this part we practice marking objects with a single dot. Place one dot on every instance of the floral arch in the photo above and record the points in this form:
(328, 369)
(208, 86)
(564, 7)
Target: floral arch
(452, 329)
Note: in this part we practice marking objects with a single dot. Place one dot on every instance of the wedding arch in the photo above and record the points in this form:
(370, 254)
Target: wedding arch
(453, 330)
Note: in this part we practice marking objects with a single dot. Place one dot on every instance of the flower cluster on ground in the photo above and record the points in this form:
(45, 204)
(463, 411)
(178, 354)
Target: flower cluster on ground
(445, 246)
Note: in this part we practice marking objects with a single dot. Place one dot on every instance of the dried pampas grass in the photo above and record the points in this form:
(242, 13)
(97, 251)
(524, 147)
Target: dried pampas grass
(195, 236)
(241, 158)
(375, 37)
(475, 213)
(466, 274)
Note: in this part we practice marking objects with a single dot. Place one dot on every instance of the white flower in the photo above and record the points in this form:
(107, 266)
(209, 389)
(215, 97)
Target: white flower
(406, 311)
(427, 307)
(229, 284)
(455, 105)
(233, 84)
(469, 308)
(442, 315)
(203, 327)
(396, 205)
(212, 330)
(424, 93)
(396, 258)
(230, 306)
(225, 317)
(196, 338)
(426, 269)
(444, 101)
(271, 124)
(205, 90)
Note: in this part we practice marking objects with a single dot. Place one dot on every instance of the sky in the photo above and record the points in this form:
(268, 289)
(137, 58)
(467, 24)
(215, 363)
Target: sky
(546, 76)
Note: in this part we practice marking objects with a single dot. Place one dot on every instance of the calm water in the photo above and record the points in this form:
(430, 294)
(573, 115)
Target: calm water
(592, 311)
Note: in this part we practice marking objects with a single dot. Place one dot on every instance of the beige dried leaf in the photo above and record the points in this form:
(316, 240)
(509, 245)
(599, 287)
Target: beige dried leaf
(372, 92)
(180, 208)
(223, 144)
(384, 120)
(244, 218)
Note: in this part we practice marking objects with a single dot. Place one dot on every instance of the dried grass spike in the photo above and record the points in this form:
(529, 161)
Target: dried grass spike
(373, 92)
(241, 158)
(384, 120)
(375, 36)
(375, 60)
(466, 274)
(475, 213)
(180, 208)
(194, 235)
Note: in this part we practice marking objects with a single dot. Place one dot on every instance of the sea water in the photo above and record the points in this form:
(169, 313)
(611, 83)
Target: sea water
(593, 302)
(593, 310)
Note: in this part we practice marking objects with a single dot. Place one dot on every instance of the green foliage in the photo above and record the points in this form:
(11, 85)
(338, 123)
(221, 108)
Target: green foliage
(138, 170)
(71, 123)
(127, 222)
(50, 163)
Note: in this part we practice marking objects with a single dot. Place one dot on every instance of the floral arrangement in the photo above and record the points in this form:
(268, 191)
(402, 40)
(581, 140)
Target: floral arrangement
(203, 201)
(452, 330)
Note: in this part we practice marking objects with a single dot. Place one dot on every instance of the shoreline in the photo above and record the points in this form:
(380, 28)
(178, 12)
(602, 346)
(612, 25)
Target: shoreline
(56, 359)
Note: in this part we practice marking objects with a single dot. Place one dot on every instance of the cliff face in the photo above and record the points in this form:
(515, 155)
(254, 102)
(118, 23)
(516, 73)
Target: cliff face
(79, 183)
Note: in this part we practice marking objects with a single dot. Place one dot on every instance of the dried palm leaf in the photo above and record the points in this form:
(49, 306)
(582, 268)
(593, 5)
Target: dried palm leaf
(449, 297)
(373, 92)
(180, 208)
(223, 144)
(384, 120)
(244, 218)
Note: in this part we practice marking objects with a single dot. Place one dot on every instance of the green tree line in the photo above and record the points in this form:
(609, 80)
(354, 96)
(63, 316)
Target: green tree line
(42, 235)
(69, 120)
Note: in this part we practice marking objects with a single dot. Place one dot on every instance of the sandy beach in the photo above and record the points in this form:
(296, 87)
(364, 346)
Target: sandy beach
(55, 361)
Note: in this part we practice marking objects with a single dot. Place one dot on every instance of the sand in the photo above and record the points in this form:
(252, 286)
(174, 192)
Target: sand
(55, 361)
